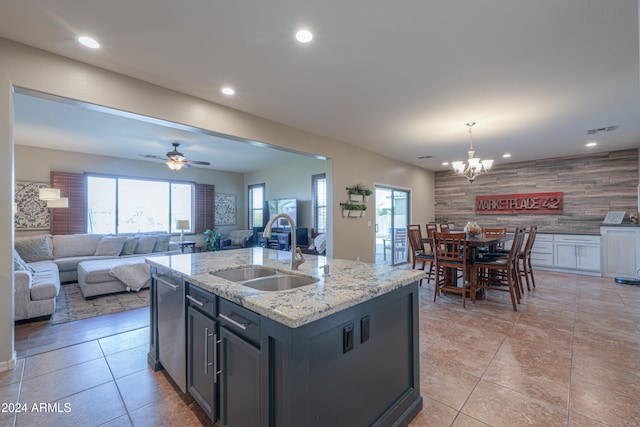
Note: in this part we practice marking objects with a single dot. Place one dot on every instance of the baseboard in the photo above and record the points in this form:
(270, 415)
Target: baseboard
(9, 364)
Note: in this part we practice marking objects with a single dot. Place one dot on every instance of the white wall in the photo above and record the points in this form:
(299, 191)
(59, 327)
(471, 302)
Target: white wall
(291, 181)
(34, 69)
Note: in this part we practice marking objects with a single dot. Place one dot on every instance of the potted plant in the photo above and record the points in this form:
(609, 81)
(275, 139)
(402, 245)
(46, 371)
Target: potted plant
(366, 193)
(212, 239)
(356, 193)
(352, 210)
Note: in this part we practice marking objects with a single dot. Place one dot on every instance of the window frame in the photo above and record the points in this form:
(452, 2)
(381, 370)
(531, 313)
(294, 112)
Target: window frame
(314, 202)
(169, 182)
(251, 208)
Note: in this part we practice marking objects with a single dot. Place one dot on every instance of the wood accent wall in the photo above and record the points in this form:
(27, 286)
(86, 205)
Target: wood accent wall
(592, 186)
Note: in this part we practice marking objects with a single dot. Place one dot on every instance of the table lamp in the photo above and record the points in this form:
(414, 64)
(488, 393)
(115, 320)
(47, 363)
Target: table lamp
(182, 224)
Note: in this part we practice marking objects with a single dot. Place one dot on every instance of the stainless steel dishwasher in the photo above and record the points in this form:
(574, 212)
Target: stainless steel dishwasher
(171, 328)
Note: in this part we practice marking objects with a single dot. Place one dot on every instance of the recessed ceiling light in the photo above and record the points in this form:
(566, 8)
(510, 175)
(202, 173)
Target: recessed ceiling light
(88, 42)
(506, 155)
(591, 144)
(304, 36)
(228, 91)
(445, 163)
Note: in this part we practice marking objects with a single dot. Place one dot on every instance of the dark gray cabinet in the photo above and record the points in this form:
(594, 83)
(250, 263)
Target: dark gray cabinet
(359, 366)
(201, 360)
(239, 382)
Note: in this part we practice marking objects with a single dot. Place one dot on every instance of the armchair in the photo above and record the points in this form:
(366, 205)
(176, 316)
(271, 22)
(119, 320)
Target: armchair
(237, 239)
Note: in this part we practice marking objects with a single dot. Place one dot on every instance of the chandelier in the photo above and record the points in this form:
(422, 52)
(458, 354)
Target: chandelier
(474, 165)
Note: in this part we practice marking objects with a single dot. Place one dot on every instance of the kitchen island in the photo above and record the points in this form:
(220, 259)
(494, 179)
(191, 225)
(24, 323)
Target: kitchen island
(341, 351)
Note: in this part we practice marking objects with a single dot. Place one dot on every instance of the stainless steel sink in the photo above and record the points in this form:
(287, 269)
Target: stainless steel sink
(279, 282)
(245, 273)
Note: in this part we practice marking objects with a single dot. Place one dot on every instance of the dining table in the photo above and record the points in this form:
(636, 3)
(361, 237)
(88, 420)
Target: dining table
(482, 240)
(490, 241)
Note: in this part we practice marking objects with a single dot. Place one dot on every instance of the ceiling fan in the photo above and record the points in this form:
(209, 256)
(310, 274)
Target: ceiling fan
(175, 159)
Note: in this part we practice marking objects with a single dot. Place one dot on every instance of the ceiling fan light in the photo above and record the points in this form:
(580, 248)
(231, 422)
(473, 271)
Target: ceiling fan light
(174, 165)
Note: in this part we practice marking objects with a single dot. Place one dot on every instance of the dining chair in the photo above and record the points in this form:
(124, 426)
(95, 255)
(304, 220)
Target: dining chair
(420, 253)
(452, 262)
(494, 232)
(499, 273)
(525, 256)
(400, 243)
(432, 227)
(444, 228)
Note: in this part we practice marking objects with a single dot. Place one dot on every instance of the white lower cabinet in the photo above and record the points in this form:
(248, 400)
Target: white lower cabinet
(542, 251)
(577, 252)
(621, 251)
(571, 253)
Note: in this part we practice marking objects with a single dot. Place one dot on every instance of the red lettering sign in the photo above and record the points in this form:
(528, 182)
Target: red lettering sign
(529, 203)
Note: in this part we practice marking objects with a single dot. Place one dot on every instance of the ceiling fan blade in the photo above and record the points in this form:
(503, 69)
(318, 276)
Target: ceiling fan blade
(151, 156)
(195, 162)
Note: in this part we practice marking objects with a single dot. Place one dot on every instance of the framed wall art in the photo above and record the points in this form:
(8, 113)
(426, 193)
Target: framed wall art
(32, 213)
(225, 209)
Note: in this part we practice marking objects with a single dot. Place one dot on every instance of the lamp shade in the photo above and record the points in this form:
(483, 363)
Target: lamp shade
(182, 224)
(49, 194)
(62, 202)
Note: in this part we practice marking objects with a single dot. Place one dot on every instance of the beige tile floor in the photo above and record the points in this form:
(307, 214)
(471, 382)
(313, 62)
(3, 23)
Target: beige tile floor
(569, 357)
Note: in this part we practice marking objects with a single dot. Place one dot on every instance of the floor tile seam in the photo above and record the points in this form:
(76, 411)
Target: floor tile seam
(15, 415)
(599, 422)
(125, 350)
(120, 396)
(61, 368)
(115, 334)
(61, 399)
(480, 378)
(530, 398)
(57, 348)
(616, 391)
(571, 379)
(467, 415)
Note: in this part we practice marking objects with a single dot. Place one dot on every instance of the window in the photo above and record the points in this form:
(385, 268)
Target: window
(127, 205)
(319, 184)
(256, 205)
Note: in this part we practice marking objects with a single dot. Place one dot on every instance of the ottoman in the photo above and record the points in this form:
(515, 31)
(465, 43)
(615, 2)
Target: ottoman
(94, 278)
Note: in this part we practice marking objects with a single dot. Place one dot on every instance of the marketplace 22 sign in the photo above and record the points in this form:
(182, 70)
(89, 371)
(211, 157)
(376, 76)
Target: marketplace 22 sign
(529, 203)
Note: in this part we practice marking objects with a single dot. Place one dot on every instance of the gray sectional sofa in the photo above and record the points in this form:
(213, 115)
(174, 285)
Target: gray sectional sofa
(42, 263)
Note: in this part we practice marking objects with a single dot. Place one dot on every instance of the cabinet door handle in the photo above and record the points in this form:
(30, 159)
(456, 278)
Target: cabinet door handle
(242, 326)
(215, 358)
(195, 301)
(206, 351)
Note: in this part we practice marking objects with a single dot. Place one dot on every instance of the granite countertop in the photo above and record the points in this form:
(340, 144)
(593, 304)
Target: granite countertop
(349, 283)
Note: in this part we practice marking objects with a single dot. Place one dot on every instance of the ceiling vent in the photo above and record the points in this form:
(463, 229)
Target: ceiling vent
(601, 130)
(425, 157)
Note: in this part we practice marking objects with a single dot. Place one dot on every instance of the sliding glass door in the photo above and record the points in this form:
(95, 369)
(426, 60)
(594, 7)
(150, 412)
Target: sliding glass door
(392, 217)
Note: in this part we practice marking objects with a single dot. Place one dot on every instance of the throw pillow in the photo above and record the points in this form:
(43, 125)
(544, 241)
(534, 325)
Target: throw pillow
(162, 243)
(33, 249)
(110, 246)
(145, 244)
(129, 246)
